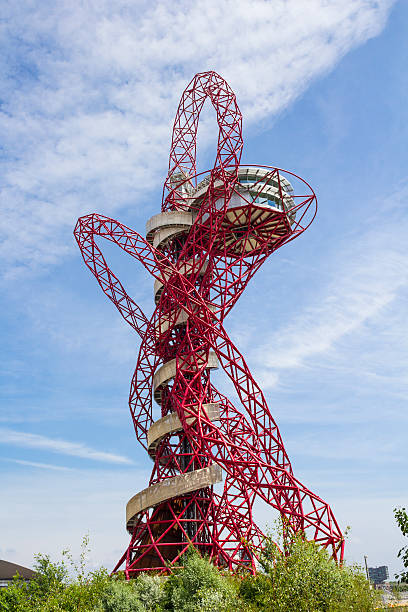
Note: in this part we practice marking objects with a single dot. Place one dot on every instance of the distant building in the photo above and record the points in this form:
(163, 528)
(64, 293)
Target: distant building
(9, 570)
(378, 575)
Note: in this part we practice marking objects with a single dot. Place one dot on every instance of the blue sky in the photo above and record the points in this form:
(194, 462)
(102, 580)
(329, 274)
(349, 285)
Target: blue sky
(88, 97)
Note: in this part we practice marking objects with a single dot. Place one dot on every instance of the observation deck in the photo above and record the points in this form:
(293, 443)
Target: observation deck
(262, 206)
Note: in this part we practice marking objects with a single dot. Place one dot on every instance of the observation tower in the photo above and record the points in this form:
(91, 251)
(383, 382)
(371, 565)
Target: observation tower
(214, 231)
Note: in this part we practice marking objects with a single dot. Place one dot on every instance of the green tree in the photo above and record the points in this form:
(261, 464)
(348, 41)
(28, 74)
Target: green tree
(142, 594)
(305, 578)
(53, 588)
(119, 596)
(401, 517)
(15, 597)
(149, 590)
(49, 578)
(200, 586)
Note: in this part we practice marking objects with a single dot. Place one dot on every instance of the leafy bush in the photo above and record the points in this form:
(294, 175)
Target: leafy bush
(401, 517)
(200, 586)
(306, 579)
(52, 589)
(14, 597)
(119, 597)
(149, 590)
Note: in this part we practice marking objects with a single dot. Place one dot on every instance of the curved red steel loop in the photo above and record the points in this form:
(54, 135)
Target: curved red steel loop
(183, 151)
(202, 250)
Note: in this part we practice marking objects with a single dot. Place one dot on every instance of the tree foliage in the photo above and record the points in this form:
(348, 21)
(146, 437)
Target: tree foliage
(401, 517)
(304, 579)
(200, 586)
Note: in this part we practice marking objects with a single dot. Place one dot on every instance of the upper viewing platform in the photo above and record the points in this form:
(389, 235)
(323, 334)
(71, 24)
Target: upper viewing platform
(257, 185)
(261, 212)
(263, 186)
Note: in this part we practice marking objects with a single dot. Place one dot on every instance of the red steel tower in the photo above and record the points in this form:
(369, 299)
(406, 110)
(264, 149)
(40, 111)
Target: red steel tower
(214, 232)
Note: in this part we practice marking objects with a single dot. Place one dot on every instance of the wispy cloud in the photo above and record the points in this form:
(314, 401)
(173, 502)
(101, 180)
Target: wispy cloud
(91, 91)
(63, 447)
(368, 276)
(42, 466)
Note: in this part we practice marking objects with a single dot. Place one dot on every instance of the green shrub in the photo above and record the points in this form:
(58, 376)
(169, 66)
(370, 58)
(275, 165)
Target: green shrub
(401, 517)
(199, 586)
(144, 593)
(119, 596)
(52, 589)
(14, 598)
(149, 590)
(306, 579)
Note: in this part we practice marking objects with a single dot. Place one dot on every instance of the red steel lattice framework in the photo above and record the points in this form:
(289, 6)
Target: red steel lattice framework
(214, 232)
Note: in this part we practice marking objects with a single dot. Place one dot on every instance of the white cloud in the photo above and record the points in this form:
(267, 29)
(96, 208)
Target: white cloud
(28, 440)
(368, 275)
(92, 89)
(41, 466)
